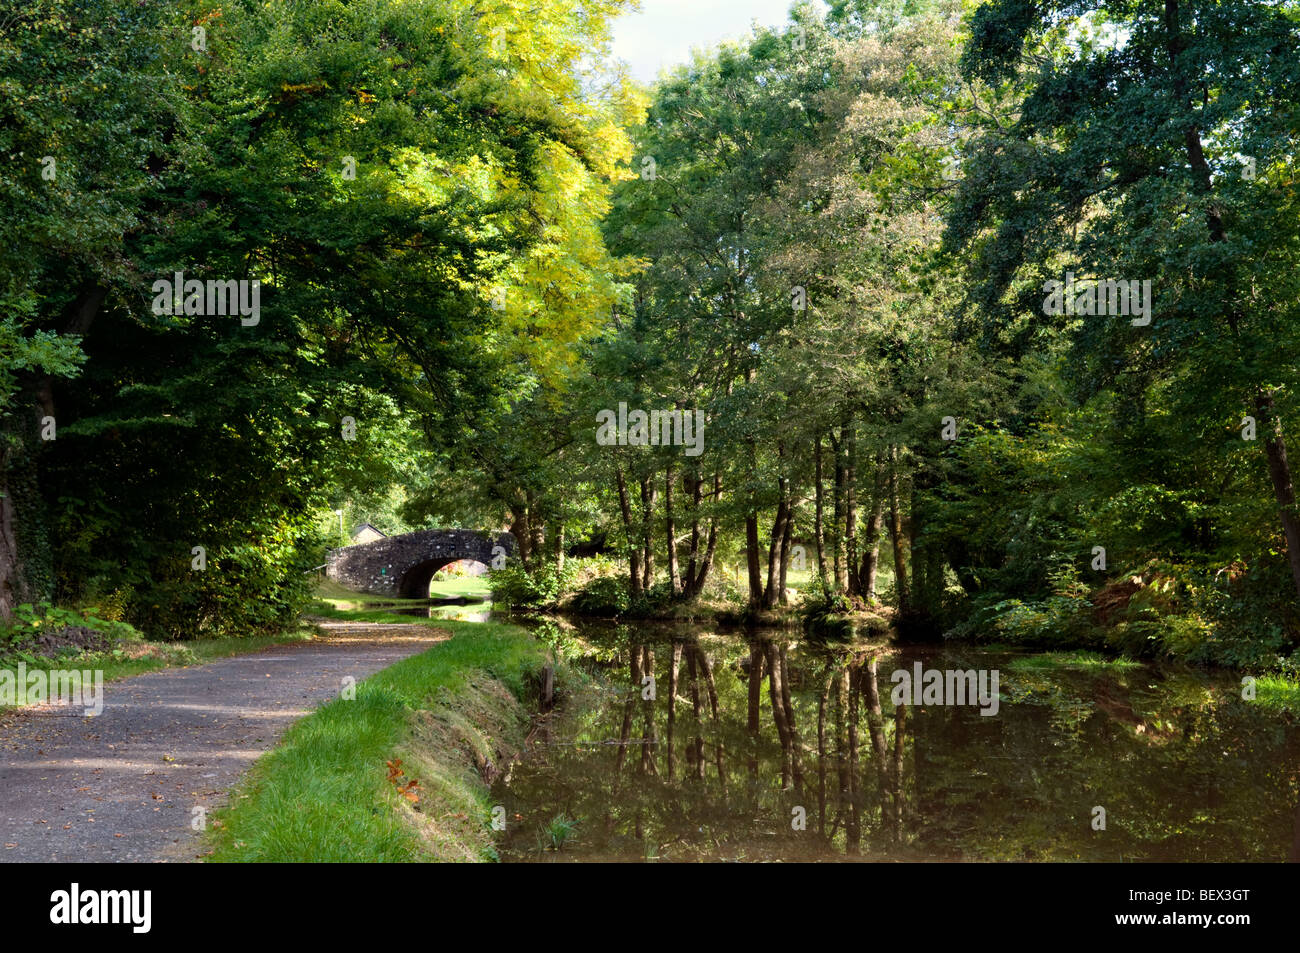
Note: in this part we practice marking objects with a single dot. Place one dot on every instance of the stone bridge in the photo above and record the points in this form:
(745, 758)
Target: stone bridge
(404, 565)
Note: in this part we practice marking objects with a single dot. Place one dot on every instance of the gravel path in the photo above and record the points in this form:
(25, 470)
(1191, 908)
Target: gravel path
(122, 786)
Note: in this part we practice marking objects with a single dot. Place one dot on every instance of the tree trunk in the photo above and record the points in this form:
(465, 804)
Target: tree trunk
(900, 741)
(674, 577)
(672, 707)
(649, 734)
(818, 529)
(821, 759)
(709, 551)
(521, 529)
(1279, 471)
(920, 585)
(785, 547)
(26, 569)
(26, 564)
(625, 733)
(16, 584)
(841, 752)
(647, 532)
(12, 585)
(778, 715)
(896, 535)
(707, 668)
(853, 826)
(837, 522)
(751, 560)
(693, 555)
(557, 543)
(770, 593)
(633, 550)
(697, 746)
(850, 507)
(871, 559)
(712, 546)
(796, 753)
(536, 527)
(876, 725)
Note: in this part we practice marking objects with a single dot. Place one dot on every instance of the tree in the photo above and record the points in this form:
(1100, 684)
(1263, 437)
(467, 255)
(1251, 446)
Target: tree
(1150, 141)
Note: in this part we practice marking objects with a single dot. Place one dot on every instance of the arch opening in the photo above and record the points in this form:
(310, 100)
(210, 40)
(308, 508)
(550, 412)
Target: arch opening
(444, 577)
(463, 579)
(414, 583)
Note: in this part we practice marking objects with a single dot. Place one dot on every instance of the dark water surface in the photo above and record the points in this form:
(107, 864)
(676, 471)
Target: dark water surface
(1184, 769)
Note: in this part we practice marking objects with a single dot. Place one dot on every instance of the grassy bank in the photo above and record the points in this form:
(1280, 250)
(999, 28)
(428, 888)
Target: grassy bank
(332, 790)
(1077, 660)
(1278, 693)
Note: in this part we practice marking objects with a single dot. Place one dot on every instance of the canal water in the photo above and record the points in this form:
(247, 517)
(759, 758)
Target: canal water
(682, 743)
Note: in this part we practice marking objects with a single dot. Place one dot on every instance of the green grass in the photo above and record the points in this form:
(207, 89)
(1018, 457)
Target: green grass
(324, 793)
(328, 611)
(329, 589)
(453, 586)
(554, 835)
(332, 594)
(1278, 693)
(1078, 659)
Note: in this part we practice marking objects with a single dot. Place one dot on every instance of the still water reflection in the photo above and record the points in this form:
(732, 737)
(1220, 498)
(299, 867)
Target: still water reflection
(782, 749)
(459, 610)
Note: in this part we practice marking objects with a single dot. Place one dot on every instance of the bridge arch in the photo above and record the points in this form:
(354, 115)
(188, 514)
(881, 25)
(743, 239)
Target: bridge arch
(414, 583)
(403, 565)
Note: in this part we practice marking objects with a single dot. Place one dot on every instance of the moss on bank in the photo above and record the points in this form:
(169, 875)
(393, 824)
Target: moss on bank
(334, 789)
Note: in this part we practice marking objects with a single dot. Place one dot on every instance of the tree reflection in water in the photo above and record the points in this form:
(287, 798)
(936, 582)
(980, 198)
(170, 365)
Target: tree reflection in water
(1185, 769)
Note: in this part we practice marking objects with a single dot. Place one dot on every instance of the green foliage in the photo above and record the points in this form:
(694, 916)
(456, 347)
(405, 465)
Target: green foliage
(556, 832)
(43, 351)
(246, 590)
(377, 296)
(1126, 435)
(602, 596)
(31, 620)
(538, 588)
(844, 243)
(653, 601)
(1279, 694)
(824, 614)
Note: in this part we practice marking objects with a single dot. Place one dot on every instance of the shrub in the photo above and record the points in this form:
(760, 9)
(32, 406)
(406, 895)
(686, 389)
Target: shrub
(602, 596)
(45, 629)
(540, 588)
(247, 589)
(652, 601)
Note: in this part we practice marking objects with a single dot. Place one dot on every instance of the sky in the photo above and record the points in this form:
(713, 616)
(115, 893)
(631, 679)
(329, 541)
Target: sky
(664, 31)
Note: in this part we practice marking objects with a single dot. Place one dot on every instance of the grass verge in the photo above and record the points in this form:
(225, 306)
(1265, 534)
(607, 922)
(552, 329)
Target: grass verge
(332, 790)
